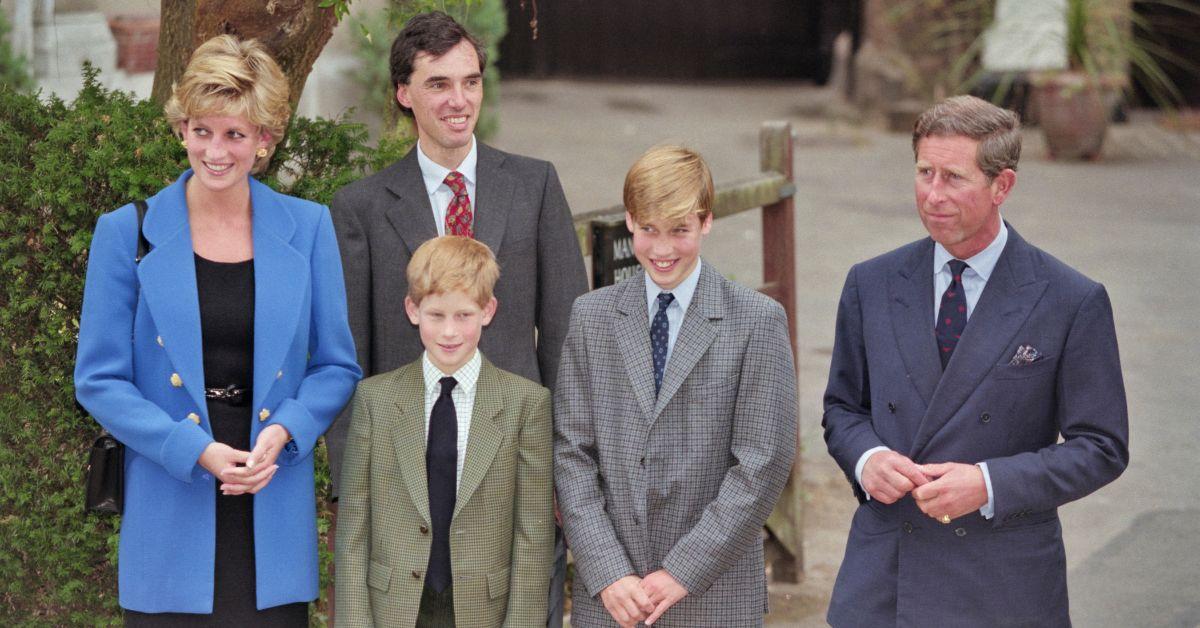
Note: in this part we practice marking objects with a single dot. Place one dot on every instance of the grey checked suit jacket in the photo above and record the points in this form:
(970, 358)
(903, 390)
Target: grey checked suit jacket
(886, 387)
(684, 481)
(520, 213)
(502, 533)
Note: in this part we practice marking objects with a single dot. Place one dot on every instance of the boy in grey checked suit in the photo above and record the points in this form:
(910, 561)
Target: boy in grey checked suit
(446, 506)
(674, 422)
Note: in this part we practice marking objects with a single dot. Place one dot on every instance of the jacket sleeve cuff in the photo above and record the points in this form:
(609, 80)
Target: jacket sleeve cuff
(182, 449)
(298, 421)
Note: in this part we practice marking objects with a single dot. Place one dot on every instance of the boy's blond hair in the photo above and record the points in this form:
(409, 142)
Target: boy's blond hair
(452, 263)
(227, 76)
(668, 183)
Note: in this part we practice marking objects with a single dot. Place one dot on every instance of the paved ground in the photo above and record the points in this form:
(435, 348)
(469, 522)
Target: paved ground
(1131, 221)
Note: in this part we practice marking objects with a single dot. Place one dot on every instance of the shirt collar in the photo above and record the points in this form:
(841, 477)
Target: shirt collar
(983, 262)
(434, 173)
(467, 375)
(683, 292)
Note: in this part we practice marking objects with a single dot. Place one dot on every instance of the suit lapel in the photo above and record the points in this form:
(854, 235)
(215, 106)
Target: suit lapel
(411, 215)
(910, 303)
(485, 436)
(280, 286)
(168, 285)
(696, 335)
(408, 435)
(1007, 300)
(494, 188)
(632, 331)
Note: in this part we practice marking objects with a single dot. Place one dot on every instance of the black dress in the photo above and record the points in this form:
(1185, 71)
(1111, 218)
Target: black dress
(226, 292)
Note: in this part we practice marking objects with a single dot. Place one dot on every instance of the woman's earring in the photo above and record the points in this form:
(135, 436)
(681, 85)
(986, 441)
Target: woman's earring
(183, 143)
(261, 152)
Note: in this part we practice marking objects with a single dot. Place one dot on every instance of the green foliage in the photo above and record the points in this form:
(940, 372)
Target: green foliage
(61, 166)
(944, 38)
(12, 67)
(486, 19)
(1105, 38)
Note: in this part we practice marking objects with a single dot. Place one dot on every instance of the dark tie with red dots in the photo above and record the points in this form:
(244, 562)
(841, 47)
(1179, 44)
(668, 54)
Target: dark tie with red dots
(952, 314)
(458, 213)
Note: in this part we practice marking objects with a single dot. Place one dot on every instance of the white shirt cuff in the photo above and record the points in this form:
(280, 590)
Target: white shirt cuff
(862, 462)
(989, 509)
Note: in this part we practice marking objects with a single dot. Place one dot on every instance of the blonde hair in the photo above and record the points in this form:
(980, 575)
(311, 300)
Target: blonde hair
(452, 263)
(230, 77)
(668, 183)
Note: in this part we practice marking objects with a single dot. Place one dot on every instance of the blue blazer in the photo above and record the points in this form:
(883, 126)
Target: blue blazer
(886, 387)
(150, 392)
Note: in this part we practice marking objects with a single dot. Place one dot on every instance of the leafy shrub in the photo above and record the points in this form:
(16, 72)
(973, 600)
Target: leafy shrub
(61, 166)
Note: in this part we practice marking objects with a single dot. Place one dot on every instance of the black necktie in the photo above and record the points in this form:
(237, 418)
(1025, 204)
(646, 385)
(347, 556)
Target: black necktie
(952, 314)
(441, 464)
(660, 332)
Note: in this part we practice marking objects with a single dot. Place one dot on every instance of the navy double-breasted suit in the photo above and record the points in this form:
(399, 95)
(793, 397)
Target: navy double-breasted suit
(139, 372)
(887, 387)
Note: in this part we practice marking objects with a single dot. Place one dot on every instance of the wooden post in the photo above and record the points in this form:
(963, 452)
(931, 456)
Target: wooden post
(779, 281)
(779, 223)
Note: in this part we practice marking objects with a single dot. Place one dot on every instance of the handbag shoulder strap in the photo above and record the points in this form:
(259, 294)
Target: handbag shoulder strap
(143, 246)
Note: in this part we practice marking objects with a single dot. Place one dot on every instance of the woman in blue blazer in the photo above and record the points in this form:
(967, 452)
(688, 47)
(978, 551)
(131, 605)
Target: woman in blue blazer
(218, 360)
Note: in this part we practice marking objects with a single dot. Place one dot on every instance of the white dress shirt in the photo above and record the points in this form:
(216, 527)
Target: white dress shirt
(440, 194)
(675, 312)
(974, 279)
(463, 397)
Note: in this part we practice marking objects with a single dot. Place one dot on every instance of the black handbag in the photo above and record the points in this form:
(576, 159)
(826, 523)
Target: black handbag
(104, 488)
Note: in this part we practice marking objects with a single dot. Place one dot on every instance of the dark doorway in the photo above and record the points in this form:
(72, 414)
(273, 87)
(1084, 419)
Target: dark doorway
(676, 39)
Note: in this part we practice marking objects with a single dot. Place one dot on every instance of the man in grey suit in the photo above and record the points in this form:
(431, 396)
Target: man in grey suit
(452, 184)
(674, 424)
(962, 432)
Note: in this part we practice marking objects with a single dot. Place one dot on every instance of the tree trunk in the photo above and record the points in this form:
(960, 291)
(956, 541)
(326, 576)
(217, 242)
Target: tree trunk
(295, 31)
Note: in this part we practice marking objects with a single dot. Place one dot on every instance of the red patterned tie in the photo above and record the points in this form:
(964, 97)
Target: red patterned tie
(952, 313)
(458, 213)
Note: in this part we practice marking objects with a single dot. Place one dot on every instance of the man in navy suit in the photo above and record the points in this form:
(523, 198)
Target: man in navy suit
(975, 388)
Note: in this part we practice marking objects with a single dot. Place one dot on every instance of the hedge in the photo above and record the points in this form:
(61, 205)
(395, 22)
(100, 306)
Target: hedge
(61, 166)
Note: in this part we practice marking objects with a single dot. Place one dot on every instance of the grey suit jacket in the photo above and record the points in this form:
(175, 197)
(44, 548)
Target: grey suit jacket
(502, 532)
(886, 387)
(520, 213)
(683, 481)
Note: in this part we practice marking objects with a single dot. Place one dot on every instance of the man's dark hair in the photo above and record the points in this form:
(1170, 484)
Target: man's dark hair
(433, 33)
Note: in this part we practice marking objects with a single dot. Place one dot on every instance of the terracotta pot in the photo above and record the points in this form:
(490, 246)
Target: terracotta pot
(1073, 110)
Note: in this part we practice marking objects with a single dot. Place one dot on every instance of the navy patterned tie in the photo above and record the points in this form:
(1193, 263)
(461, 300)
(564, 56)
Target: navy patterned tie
(952, 314)
(660, 332)
(441, 471)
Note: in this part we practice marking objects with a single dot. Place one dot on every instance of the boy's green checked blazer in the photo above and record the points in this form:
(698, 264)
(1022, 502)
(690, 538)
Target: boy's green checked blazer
(502, 533)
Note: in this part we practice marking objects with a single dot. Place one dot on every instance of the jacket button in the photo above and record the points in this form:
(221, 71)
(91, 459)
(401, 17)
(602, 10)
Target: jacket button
(908, 527)
(264, 414)
(176, 380)
(194, 418)
(985, 417)
(279, 375)
(416, 574)
(424, 529)
(960, 531)
(892, 407)
(158, 339)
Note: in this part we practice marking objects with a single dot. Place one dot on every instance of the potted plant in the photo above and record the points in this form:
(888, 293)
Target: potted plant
(1105, 39)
